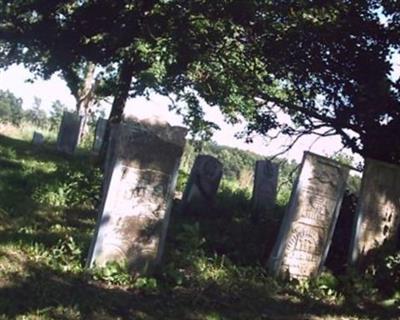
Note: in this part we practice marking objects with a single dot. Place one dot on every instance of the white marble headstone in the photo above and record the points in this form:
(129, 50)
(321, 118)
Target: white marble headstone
(378, 209)
(307, 228)
(139, 182)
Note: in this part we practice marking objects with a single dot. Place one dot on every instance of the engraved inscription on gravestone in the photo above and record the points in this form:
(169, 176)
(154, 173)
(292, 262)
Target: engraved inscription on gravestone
(139, 182)
(101, 126)
(202, 185)
(69, 132)
(378, 209)
(308, 225)
(265, 187)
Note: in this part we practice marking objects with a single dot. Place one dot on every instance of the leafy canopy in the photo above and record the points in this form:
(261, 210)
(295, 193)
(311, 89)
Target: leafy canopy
(325, 63)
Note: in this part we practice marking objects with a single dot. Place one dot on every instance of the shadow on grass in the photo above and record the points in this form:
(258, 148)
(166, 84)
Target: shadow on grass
(46, 152)
(44, 291)
(228, 229)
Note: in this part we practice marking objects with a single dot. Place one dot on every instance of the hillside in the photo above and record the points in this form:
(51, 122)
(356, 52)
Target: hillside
(213, 267)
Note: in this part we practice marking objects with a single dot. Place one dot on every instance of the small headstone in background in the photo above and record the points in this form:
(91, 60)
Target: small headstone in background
(264, 188)
(309, 222)
(140, 179)
(69, 132)
(37, 139)
(202, 186)
(100, 130)
(378, 210)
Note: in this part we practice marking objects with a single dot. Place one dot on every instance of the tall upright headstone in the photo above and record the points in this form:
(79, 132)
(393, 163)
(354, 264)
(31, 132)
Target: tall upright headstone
(378, 209)
(99, 133)
(37, 139)
(69, 132)
(264, 188)
(140, 178)
(307, 228)
(202, 186)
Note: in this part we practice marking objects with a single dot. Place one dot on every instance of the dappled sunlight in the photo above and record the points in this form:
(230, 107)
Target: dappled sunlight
(213, 267)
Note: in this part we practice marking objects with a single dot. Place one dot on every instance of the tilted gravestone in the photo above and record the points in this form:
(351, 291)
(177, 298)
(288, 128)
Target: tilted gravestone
(378, 209)
(264, 188)
(140, 178)
(202, 185)
(69, 133)
(37, 139)
(308, 224)
(99, 133)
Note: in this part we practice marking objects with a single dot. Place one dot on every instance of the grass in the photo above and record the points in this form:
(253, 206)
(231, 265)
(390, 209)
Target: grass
(212, 268)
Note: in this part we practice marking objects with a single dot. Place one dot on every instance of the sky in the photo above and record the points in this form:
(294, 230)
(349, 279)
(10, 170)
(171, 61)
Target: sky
(15, 79)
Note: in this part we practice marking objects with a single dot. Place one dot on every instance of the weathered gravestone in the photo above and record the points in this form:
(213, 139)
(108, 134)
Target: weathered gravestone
(202, 185)
(99, 133)
(264, 188)
(69, 133)
(308, 224)
(378, 209)
(139, 182)
(37, 139)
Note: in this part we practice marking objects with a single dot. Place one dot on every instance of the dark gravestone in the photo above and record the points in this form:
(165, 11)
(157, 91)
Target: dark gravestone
(202, 185)
(337, 258)
(264, 189)
(37, 139)
(99, 133)
(309, 222)
(69, 133)
(378, 210)
(139, 182)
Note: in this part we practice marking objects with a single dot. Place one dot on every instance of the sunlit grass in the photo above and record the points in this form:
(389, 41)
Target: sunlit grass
(213, 267)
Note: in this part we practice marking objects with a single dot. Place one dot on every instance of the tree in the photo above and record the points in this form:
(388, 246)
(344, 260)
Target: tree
(324, 63)
(10, 108)
(36, 115)
(56, 113)
(327, 64)
(140, 39)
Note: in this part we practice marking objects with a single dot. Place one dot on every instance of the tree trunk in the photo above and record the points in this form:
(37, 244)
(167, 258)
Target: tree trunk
(120, 98)
(85, 97)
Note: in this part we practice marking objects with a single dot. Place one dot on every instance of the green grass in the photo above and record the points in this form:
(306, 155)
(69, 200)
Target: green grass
(212, 267)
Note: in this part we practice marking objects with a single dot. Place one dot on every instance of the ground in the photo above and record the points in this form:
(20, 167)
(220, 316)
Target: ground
(47, 216)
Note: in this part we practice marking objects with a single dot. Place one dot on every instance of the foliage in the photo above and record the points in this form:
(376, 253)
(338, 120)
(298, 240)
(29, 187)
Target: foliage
(10, 107)
(69, 189)
(36, 115)
(56, 113)
(243, 57)
(113, 273)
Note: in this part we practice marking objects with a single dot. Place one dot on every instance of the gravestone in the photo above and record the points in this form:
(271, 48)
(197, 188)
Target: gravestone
(69, 133)
(140, 178)
(378, 209)
(264, 188)
(202, 185)
(101, 126)
(307, 227)
(37, 139)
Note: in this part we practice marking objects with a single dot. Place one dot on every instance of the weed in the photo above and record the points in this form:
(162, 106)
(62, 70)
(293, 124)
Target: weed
(113, 273)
